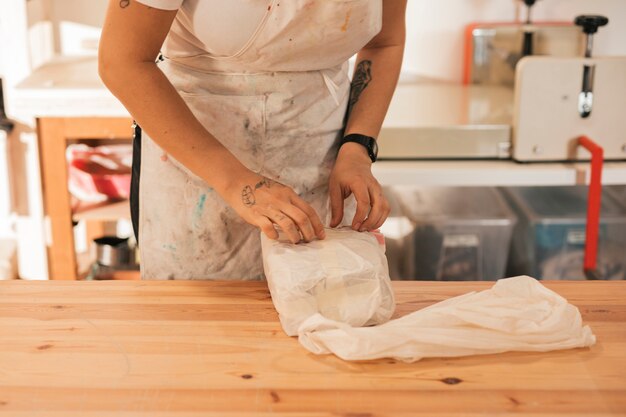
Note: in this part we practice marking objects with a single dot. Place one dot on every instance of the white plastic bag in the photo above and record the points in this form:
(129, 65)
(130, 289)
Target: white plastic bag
(325, 291)
(516, 314)
(343, 277)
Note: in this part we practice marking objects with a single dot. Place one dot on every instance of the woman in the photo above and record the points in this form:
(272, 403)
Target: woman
(249, 121)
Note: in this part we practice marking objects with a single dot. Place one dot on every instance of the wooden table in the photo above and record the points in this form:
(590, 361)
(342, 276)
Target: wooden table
(193, 348)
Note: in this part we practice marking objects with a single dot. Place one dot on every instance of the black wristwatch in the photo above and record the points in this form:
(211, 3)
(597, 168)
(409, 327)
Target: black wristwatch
(367, 141)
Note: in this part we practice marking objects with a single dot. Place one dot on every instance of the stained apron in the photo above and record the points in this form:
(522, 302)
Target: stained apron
(279, 108)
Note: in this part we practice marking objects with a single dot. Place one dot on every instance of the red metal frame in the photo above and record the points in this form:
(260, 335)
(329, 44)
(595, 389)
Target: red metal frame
(594, 202)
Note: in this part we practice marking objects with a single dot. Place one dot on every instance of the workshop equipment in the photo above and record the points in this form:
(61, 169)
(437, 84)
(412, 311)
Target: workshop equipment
(558, 100)
(492, 50)
(565, 107)
(590, 25)
(594, 203)
(472, 120)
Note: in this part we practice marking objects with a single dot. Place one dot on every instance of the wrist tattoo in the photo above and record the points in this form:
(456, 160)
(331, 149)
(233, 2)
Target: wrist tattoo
(247, 196)
(362, 78)
(124, 3)
(264, 182)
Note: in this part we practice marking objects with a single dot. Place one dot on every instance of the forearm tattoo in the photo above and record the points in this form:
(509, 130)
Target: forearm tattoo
(124, 3)
(247, 194)
(362, 78)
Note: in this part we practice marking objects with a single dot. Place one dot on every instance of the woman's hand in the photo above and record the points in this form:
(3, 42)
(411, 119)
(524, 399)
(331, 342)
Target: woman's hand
(352, 174)
(264, 203)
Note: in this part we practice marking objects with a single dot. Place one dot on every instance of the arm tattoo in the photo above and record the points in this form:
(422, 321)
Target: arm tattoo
(124, 3)
(247, 196)
(362, 78)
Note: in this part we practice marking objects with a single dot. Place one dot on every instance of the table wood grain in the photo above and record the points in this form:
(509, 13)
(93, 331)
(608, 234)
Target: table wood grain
(196, 348)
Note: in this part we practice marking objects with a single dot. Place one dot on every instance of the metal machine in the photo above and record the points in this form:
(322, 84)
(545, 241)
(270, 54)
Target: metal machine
(555, 100)
(558, 100)
(472, 120)
(492, 50)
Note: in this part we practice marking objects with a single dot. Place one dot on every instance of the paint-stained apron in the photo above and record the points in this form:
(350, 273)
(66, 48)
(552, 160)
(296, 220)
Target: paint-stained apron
(279, 106)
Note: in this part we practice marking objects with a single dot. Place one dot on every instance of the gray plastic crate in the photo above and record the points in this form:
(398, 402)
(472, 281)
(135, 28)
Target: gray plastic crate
(549, 239)
(459, 234)
(618, 192)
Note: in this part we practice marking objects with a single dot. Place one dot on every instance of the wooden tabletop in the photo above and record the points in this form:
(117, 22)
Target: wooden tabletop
(194, 348)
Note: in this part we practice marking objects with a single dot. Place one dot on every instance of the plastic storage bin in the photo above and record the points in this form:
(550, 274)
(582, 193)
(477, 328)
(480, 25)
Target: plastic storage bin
(460, 234)
(617, 191)
(549, 240)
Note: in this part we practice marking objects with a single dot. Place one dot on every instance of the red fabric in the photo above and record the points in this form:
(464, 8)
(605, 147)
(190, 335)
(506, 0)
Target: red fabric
(97, 174)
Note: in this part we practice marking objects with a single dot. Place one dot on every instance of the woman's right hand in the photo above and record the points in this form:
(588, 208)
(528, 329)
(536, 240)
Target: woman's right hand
(264, 203)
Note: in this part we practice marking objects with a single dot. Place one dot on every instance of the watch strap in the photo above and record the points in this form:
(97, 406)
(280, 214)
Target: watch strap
(367, 141)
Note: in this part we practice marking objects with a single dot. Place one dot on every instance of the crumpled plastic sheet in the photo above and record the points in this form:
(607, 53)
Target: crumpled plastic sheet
(327, 292)
(343, 277)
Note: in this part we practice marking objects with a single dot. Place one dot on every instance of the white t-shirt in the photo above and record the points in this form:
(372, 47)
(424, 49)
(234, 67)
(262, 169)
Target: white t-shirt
(217, 27)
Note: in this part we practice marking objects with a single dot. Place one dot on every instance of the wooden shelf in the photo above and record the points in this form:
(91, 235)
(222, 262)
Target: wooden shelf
(109, 211)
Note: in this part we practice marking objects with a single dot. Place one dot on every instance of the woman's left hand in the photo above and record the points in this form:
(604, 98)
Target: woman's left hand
(352, 174)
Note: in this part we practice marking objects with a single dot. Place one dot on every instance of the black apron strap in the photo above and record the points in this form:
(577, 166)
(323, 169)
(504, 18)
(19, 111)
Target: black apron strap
(134, 181)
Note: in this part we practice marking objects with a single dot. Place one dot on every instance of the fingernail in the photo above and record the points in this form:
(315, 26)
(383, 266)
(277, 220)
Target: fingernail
(362, 229)
(357, 226)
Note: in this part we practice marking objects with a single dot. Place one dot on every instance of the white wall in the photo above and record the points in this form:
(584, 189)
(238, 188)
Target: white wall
(435, 28)
(25, 41)
(76, 25)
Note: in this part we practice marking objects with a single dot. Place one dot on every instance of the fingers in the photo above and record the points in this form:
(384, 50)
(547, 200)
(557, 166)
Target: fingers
(267, 227)
(380, 209)
(301, 221)
(285, 222)
(312, 217)
(336, 204)
(361, 194)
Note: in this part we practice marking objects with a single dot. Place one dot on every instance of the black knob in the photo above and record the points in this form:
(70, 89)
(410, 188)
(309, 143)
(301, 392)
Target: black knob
(530, 3)
(590, 23)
